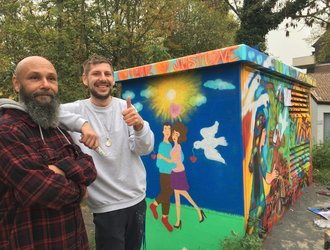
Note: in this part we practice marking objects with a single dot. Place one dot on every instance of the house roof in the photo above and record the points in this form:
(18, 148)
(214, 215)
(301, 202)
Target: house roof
(321, 93)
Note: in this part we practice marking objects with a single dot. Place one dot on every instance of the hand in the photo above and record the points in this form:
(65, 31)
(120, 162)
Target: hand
(275, 173)
(56, 170)
(272, 176)
(132, 117)
(89, 137)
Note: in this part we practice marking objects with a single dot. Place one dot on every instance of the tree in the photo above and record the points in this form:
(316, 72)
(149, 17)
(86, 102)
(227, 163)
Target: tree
(258, 17)
(323, 47)
(129, 32)
(45, 28)
(201, 26)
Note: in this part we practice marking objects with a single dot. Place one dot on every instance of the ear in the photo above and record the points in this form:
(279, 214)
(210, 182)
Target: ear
(16, 84)
(84, 79)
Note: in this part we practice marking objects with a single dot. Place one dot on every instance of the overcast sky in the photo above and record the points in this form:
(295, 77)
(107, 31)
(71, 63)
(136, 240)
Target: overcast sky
(285, 48)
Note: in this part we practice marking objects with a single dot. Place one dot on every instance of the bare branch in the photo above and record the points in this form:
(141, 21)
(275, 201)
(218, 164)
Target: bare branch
(235, 10)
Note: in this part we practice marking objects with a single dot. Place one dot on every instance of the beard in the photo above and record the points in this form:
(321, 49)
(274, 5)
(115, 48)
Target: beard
(99, 96)
(45, 114)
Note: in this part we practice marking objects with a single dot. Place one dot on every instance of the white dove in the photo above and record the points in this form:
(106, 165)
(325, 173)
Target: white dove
(209, 143)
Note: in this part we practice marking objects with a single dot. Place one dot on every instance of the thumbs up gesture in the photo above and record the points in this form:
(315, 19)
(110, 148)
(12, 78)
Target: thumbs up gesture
(131, 116)
(128, 102)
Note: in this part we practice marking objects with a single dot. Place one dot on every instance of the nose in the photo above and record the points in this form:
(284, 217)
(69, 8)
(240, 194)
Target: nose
(103, 76)
(45, 84)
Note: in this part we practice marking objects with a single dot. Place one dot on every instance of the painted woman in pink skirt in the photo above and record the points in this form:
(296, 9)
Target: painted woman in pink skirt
(179, 180)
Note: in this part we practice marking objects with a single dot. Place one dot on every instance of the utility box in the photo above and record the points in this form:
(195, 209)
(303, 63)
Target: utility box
(239, 148)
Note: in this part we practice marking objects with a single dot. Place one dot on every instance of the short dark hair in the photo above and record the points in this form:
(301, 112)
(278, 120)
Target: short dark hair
(92, 60)
(166, 124)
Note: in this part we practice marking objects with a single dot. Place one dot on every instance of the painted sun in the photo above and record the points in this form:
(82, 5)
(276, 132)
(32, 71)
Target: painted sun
(175, 97)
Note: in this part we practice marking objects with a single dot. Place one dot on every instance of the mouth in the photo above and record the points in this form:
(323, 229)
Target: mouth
(44, 98)
(102, 86)
(43, 95)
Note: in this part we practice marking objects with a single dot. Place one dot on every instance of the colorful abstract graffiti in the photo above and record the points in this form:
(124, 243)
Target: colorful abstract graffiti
(231, 54)
(278, 130)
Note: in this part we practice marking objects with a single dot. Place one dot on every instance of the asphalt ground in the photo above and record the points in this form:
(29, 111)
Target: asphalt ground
(297, 229)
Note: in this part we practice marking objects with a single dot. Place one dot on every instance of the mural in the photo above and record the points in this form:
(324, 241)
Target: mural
(232, 149)
(196, 145)
(278, 130)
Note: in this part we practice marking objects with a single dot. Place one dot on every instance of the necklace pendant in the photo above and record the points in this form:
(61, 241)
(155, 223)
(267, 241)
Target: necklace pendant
(108, 142)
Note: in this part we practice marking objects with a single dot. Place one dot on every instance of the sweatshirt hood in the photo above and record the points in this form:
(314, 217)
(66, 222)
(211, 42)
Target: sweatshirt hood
(8, 103)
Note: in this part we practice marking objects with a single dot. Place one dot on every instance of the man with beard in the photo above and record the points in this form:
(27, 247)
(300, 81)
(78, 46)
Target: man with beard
(117, 197)
(43, 174)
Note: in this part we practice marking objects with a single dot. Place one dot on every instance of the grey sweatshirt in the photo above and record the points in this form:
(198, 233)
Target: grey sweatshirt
(121, 178)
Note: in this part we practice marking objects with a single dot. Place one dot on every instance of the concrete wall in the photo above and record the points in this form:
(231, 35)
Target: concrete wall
(318, 111)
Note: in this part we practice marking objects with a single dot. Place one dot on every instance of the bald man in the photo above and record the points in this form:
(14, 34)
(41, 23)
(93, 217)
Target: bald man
(43, 174)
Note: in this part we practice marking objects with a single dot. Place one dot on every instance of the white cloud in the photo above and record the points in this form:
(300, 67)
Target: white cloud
(219, 85)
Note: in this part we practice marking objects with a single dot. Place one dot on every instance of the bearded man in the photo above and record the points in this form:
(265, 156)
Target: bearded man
(43, 174)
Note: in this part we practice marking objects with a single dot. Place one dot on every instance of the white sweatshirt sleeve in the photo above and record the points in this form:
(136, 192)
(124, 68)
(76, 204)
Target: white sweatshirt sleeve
(142, 142)
(69, 117)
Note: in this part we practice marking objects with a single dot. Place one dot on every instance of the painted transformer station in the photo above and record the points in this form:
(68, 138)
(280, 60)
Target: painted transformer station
(240, 149)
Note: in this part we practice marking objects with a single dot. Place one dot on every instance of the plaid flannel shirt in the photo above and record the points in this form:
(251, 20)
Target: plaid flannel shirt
(38, 208)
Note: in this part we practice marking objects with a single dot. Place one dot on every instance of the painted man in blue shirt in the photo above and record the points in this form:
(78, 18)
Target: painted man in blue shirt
(165, 169)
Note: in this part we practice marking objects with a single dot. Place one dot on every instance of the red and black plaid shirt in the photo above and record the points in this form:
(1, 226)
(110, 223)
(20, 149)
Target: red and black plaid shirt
(38, 208)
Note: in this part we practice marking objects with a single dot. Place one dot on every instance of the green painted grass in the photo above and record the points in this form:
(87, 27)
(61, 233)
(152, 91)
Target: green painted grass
(193, 234)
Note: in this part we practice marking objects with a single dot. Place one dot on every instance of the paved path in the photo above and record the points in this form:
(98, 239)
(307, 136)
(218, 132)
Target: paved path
(296, 230)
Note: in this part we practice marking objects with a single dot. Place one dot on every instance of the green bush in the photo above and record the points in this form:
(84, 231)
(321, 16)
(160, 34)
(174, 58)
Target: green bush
(321, 155)
(322, 176)
(248, 242)
(321, 162)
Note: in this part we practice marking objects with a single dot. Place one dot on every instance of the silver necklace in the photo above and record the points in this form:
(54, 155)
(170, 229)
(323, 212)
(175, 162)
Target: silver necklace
(108, 141)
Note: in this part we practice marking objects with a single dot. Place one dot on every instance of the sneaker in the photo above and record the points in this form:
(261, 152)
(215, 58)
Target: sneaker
(166, 224)
(153, 210)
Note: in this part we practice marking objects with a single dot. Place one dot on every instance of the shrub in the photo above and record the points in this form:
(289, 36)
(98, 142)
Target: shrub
(321, 162)
(320, 155)
(248, 242)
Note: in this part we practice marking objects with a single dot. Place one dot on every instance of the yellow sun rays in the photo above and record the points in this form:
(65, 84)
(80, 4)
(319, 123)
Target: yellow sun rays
(173, 97)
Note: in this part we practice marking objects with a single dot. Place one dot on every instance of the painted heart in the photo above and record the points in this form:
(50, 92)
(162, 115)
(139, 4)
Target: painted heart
(153, 156)
(193, 159)
(175, 110)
